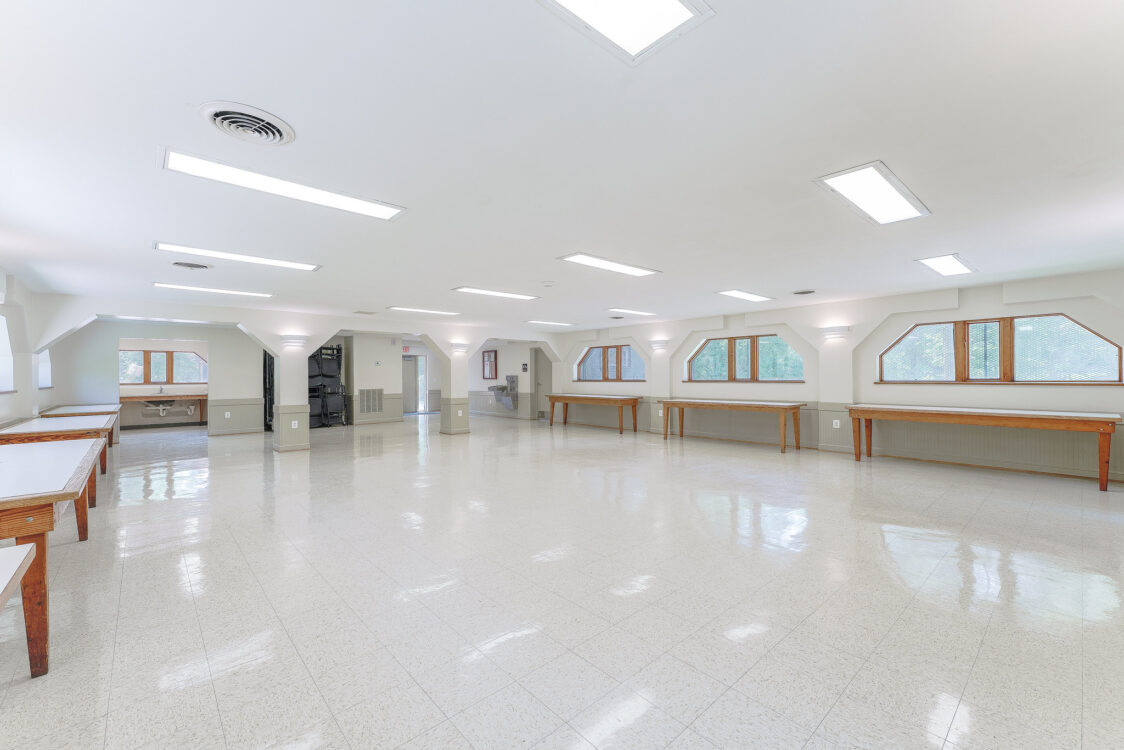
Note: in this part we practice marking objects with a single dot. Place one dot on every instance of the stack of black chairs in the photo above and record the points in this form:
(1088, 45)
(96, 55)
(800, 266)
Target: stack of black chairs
(327, 397)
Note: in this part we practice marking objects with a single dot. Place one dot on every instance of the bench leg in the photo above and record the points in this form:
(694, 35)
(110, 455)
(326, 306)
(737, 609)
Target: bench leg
(784, 428)
(796, 427)
(36, 605)
(857, 434)
(869, 435)
(620, 420)
(92, 488)
(1104, 443)
(104, 449)
(666, 419)
(551, 413)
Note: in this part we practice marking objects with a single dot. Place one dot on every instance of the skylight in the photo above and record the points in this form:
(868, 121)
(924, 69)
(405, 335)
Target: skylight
(420, 310)
(877, 192)
(211, 170)
(632, 25)
(607, 265)
(628, 312)
(490, 293)
(746, 296)
(946, 265)
(220, 255)
(208, 289)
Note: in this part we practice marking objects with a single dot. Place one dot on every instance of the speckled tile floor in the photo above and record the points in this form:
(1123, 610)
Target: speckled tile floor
(570, 588)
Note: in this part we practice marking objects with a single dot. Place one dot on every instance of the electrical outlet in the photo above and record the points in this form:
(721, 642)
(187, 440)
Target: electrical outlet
(228, 415)
(835, 423)
(460, 413)
(661, 413)
(294, 424)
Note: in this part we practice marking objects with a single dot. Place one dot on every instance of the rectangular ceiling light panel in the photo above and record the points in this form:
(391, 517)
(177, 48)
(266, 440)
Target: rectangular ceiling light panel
(218, 254)
(745, 295)
(420, 310)
(946, 265)
(632, 25)
(628, 312)
(212, 170)
(607, 265)
(877, 192)
(548, 323)
(207, 289)
(490, 293)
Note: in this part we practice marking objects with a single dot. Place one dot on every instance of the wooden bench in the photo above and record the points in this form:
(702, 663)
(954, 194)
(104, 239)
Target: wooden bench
(1102, 424)
(586, 398)
(33, 477)
(47, 429)
(782, 408)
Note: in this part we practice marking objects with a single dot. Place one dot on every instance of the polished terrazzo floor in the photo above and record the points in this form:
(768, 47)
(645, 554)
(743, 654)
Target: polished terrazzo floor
(571, 588)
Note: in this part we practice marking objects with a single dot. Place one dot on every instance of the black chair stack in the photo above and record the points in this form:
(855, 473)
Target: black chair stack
(327, 397)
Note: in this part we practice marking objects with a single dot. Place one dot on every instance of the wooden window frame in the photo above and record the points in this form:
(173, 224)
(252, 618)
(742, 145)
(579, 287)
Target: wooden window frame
(495, 364)
(1006, 354)
(605, 365)
(731, 363)
(171, 366)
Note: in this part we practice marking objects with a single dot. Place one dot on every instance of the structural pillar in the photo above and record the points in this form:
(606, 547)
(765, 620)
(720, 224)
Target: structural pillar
(454, 393)
(290, 408)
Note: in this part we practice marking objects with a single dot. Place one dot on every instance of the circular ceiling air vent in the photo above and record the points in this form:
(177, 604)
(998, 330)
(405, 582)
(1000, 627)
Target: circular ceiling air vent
(190, 266)
(248, 123)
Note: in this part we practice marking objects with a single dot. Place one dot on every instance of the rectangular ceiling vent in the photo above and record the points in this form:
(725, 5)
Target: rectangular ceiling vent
(370, 400)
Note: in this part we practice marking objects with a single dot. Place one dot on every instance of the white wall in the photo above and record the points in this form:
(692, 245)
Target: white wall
(377, 363)
(510, 359)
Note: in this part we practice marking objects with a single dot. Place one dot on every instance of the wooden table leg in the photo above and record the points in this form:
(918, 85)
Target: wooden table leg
(104, 450)
(620, 420)
(82, 514)
(1104, 443)
(565, 412)
(551, 413)
(796, 427)
(36, 605)
(682, 416)
(869, 435)
(666, 419)
(634, 417)
(857, 433)
(92, 488)
(784, 428)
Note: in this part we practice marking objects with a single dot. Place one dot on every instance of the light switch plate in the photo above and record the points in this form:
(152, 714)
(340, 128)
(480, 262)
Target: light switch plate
(460, 413)
(295, 423)
(660, 414)
(835, 423)
(228, 415)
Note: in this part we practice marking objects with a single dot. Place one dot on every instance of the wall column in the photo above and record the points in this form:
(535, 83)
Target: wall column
(454, 393)
(659, 382)
(290, 409)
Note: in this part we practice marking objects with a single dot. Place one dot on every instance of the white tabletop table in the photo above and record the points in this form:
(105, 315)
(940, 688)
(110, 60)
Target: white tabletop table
(43, 429)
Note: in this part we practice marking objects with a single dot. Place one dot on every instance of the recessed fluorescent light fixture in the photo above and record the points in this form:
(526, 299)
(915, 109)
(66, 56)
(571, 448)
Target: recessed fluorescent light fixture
(212, 170)
(628, 312)
(633, 25)
(206, 289)
(548, 323)
(420, 310)
(170, 248)
(745, 295)
(490, 293)
(946, 265)
(877, 192)
(607, 265)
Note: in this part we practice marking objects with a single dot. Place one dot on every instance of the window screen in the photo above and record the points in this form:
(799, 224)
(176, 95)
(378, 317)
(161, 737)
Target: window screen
(776, 360)
(590, 368)
(742, 361)
(983, 350)
(1054, 348)
(632, 365)
(925, 354)
(712, 362)
(611, 355)
(188, 367)
(158, 367)
(130, 367)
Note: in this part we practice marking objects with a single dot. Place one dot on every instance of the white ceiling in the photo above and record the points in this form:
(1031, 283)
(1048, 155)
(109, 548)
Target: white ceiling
(512, 139)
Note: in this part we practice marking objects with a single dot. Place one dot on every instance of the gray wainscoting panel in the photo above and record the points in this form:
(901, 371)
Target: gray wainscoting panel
(606, 416)
(285, 436)
(454, 416)
(832, 438)
(235, 416)
(434, 402)
(485, 403)
(749, 427)
(391, 408)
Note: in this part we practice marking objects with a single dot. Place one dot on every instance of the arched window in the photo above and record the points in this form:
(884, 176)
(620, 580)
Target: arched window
(1030, 349)
(745, 359)
(611, 363)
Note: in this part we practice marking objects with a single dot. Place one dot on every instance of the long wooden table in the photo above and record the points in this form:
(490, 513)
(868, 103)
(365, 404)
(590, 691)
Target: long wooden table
(1104, 424)
(781, 408)
(33, 477)
(46, 429)
(87, 410)
(587, 398)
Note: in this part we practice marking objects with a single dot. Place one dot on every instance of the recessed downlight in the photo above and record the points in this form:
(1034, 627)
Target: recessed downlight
(421, 310)
(946, 265)
(607, 265)
(747, 296)
(629, 312)
(876, 192)
(239, 257)
(208, 289)
(212, 170)
(490, 293)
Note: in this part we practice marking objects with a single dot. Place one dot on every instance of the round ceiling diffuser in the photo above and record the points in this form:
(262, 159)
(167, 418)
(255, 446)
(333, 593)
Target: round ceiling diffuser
(248, 123)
